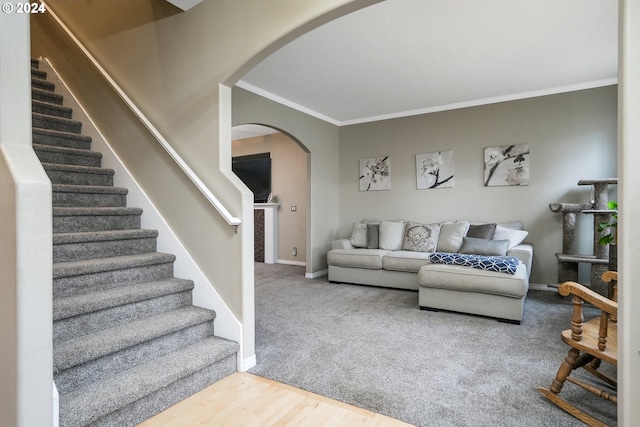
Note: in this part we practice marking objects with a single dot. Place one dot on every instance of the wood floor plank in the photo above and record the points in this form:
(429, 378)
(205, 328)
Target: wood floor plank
(246, 400)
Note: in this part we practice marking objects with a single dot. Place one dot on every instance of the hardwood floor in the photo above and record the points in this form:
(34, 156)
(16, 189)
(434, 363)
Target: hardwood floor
(243, 400)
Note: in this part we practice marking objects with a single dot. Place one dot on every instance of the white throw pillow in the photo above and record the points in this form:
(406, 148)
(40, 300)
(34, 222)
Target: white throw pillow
(515, 237)
(451, 235)
(358, 235)
(391, 235)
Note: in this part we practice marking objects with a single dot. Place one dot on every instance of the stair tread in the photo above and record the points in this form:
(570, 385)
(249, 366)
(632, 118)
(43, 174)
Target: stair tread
(43, 82)
(50, 105)
(55, 119)
(61, 134)
(89, 403)
(77, 351)
(102, 236)
(48, 94)
(67, 150)
(88, 266)
(66, 307)
(97, 189)
(77, 169)
(84, 211)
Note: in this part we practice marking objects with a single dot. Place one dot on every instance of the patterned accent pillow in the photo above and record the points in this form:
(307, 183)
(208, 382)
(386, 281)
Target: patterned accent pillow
(499, 264)
(421, 237)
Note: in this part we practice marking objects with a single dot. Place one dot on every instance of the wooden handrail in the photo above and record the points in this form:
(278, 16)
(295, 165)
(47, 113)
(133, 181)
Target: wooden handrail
(222, 210)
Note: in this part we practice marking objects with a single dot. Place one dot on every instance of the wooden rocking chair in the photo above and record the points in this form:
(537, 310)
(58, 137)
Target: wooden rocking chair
(591, 343)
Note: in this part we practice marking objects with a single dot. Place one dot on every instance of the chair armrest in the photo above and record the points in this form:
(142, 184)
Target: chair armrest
(341, 244)
(586, 294)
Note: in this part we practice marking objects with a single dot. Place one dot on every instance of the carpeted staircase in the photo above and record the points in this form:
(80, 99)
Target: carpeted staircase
(127, 341)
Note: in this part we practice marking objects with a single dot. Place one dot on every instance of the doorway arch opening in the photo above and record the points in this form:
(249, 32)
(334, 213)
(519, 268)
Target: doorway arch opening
(288, 175)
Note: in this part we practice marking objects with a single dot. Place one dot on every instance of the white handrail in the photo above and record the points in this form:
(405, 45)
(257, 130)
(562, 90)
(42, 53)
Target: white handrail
(228, 217)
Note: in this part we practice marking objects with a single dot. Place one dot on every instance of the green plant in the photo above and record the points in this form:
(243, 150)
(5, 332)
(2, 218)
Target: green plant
(612, 223)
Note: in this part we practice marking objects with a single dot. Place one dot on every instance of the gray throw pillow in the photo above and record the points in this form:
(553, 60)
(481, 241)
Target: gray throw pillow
(451, 235)
(481, 231)
(471, 245)
(421, 237)
(373, 236)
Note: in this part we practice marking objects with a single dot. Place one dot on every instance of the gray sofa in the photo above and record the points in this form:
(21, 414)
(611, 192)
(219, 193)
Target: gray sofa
(406, 255)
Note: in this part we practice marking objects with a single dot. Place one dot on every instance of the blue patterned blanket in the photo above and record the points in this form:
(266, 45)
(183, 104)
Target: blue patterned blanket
(500, 264)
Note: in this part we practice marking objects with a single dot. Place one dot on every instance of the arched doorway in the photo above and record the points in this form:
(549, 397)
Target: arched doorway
(288, 175)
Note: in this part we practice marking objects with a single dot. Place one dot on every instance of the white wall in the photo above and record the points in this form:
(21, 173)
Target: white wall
(571, 136)
(26, 376)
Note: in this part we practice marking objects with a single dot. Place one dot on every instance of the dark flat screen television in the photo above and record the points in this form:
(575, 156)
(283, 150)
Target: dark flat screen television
(255, 171)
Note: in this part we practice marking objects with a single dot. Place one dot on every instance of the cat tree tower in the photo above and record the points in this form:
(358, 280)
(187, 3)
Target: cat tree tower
(569, 260)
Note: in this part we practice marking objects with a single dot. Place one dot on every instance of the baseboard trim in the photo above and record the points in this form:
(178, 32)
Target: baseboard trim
(543, 287)
(289, 262)
(248, 363)
(316, 274)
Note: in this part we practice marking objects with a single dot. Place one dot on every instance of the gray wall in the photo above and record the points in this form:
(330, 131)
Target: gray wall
(572, 136)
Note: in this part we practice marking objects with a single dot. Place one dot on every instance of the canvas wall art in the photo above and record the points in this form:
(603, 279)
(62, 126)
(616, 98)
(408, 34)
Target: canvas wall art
(434, 170)
(506, 165)
(375, 174)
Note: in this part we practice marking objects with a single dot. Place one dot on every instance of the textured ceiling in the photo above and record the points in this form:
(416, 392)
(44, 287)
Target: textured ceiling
(405, 57)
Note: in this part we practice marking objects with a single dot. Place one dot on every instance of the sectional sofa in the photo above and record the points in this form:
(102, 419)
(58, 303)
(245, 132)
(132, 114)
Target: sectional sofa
(470, 267)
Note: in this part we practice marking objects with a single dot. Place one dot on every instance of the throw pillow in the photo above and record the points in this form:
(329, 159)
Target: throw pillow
(390, 235)
(451, 235)
(515, 237)
(358, 235)
(481, 231)
(471, 245)
(421, 237)
(373, 236)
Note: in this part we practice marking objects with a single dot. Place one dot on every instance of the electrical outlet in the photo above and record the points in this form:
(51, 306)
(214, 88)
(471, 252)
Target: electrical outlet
(294, 209)
(294, 251)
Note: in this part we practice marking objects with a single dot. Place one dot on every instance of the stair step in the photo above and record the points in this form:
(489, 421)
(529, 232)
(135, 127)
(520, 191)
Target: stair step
(67, 156)
(51, 109)
(42, 84)
(94, 275)
(35, 63)
(100, 244)
(132, 396)
(46, 96)
(39, 74)
(81, 219)
(61, 139)
(82, 314)
(78, 175)
(66, 195)
(100, 354)
(61, 124)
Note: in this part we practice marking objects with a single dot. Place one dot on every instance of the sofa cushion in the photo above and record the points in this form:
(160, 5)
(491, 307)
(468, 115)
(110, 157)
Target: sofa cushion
(358, 258)
(408, 261)
(481, 231)
(391, 234)
(475, 246)
(358, 235)
(421, 237)
(465, 279)
(451, 234)
(515, 237)
(498, 264)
